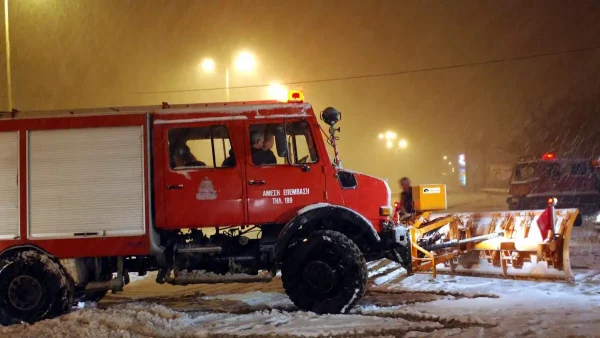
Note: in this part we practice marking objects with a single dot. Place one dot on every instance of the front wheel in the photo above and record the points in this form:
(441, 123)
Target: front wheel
(324, 272)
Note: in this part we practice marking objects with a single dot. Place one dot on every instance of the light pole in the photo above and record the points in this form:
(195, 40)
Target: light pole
(244, 63)
(8, 74)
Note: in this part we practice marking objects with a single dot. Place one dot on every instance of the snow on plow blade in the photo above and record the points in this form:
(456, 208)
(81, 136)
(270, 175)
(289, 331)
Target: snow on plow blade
(505, 244)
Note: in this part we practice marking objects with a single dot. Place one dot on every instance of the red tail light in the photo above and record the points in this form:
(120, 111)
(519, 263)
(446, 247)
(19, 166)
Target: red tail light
(548, 156)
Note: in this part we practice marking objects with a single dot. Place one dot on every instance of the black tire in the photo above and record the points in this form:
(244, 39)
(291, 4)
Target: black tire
(324, 272)
(32, 288)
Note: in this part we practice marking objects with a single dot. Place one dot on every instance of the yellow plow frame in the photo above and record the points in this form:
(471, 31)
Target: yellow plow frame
(501, 244)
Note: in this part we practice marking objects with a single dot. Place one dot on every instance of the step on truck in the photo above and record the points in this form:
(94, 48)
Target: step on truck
(192, 192)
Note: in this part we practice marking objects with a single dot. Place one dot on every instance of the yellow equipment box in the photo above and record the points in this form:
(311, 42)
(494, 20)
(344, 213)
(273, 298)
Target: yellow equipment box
(429, 197)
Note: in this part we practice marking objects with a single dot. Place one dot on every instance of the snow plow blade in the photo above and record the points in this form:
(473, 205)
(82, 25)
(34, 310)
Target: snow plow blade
(505, 244)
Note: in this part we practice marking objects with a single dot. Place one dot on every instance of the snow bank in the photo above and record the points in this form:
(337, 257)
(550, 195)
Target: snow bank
(131, 320)
(147, 320)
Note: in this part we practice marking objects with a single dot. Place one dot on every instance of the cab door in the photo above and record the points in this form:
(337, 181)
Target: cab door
(203, 178)
(276, 191)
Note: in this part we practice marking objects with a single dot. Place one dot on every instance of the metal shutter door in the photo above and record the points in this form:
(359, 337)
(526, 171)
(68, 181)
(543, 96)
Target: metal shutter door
(9, 185)
(86, 181)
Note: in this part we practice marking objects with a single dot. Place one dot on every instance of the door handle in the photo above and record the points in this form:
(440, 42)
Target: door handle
(175, 187)
(257, 182)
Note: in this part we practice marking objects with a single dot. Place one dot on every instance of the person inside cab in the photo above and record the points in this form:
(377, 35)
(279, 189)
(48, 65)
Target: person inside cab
(181, 157)
(229, 161)
(257, 152)
(406, 198)
(269, 156)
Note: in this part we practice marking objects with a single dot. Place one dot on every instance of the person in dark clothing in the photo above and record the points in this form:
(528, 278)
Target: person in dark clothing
(256, 141)
(268, 143)
(229, 161)
(406, 198)
(181, 157)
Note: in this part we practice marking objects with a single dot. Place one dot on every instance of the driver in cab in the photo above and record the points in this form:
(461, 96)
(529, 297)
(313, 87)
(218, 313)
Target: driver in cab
(182, 157)
(268, 143)
(261, 148)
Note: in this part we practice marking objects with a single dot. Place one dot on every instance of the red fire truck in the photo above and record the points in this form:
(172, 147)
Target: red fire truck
(186, 191)
(575, 182)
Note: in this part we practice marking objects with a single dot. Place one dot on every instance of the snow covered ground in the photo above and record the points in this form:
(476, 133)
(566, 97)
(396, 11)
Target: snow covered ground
(394, 306)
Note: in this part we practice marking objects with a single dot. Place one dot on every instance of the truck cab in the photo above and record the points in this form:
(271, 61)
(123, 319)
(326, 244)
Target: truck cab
(209, 173)
(573, 181)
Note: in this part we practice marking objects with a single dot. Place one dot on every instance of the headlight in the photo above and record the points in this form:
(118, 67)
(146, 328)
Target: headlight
(597, 218)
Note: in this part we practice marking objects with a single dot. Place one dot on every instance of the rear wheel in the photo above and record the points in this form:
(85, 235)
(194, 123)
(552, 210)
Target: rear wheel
(324, 272)
(32, 288)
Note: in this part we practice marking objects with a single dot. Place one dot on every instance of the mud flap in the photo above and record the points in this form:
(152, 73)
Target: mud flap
(404, 258)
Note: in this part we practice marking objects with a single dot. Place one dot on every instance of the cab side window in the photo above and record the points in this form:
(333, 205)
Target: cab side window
(282, 143)
(201, 147)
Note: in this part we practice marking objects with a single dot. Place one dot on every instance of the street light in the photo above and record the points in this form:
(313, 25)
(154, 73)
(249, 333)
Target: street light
(445, 157)
(390, 135)
(244, 63)
(390, 140)
(208, 65)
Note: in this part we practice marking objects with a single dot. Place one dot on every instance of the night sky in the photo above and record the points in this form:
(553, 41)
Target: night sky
(514, 75)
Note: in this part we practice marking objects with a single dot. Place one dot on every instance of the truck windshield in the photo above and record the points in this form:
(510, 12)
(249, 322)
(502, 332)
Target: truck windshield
(545, 170)
(535, 170)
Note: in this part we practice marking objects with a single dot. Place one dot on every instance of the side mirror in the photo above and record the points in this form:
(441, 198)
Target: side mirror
(281, 141)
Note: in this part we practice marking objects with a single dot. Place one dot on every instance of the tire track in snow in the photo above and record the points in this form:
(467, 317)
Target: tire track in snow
(458, 295)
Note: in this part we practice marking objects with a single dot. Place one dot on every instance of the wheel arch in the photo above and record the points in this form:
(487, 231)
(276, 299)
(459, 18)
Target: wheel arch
(71, 271)
(330, 217)
(18, 248)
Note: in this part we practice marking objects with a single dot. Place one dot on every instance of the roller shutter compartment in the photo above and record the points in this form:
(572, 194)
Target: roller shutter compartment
(86, 182)
(9, 184)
